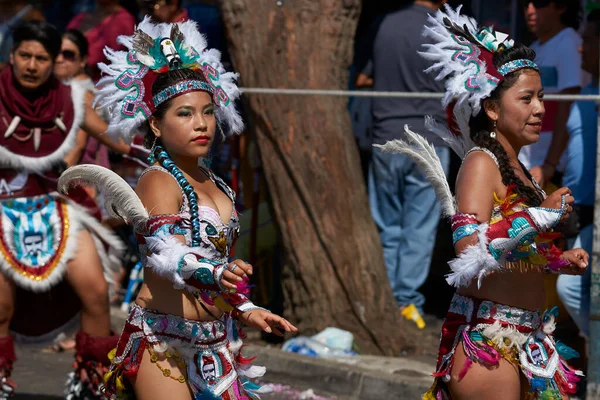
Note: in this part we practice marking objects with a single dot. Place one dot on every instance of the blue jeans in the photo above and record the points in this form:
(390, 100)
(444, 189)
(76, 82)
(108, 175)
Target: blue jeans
(406, 212)
(574, 291)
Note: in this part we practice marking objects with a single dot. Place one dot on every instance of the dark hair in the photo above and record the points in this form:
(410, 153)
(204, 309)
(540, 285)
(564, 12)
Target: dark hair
(79, 40)
(160, 154)
(594, 17)
(572, 15)
(39, 31)
(480, 125)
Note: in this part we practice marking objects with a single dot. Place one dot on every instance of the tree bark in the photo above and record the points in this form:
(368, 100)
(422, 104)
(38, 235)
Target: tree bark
(334, 274)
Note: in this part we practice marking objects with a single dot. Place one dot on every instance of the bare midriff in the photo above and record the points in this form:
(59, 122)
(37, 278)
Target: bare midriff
(521, 286)
(159, 295)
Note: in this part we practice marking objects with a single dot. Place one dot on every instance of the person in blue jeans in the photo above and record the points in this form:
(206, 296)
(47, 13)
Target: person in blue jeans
(403, 203)
(580, 175)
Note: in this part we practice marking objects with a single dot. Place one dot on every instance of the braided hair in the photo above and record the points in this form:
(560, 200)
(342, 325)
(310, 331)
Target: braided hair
(480, 126)
(158, 153)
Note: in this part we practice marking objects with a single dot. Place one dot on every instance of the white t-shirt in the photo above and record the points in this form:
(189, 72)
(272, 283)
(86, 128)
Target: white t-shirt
(560, 68)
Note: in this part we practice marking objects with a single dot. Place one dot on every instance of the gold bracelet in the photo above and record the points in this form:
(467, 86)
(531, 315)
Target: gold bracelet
(166, 371)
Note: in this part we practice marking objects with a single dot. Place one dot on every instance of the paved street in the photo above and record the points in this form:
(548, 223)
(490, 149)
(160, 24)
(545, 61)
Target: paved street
(41, 376)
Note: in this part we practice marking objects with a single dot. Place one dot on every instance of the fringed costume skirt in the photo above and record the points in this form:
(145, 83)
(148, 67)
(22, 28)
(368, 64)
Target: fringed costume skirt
(207, 353)
(489, 332)
(38, 237)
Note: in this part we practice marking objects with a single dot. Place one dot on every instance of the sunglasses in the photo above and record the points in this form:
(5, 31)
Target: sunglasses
(68, 55)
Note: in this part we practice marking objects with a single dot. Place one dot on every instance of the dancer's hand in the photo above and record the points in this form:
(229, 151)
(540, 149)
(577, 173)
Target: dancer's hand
(555, 201)
(578, 259)
(236, 272)
(267, 321)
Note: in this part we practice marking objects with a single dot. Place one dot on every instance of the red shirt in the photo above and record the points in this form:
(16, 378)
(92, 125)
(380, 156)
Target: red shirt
(104, 34)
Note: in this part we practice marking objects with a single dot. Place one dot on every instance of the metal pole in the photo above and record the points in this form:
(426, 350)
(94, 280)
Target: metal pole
(593, 382)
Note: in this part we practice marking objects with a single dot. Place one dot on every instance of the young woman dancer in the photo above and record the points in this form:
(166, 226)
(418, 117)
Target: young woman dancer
(495, 342)
(180, 340)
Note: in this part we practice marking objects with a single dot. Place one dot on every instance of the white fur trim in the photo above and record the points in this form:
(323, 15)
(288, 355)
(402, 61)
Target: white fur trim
(9, 159)
(474, 261)
(498, 334)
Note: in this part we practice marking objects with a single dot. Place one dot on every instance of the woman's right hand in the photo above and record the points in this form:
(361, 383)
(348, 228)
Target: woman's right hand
(555, 201)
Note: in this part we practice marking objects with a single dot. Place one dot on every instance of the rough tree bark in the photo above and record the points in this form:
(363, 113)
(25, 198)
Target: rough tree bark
(334, 273)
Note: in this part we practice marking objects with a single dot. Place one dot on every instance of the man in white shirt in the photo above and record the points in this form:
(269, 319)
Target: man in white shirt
(554, 22)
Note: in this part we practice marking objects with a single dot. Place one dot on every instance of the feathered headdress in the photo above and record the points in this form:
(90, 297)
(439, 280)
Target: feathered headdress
(462, 54)
(126, 88)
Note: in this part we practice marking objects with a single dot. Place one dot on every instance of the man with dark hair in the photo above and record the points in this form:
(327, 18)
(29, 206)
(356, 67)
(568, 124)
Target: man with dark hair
(554, 23)
(46, 238)
(403, 202)
(580, 175)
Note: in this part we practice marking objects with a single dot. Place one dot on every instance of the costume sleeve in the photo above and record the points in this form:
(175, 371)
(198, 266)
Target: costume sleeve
(188, 267)
(514, 236)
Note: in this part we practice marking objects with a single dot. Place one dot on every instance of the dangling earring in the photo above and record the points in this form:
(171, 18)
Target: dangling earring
(493, 132)
(151, 157)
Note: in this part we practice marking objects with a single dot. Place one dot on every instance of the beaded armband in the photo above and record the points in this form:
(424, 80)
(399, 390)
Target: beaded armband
(167, 224)
(463, 225)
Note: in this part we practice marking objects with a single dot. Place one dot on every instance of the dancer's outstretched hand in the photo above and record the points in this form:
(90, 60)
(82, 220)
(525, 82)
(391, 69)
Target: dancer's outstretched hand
(267, 321)
(579, 260)
(237, 271)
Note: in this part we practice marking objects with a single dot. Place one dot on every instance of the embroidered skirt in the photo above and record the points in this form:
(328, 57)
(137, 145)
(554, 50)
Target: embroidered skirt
(38, 236)
(489, 332)
(208, 352)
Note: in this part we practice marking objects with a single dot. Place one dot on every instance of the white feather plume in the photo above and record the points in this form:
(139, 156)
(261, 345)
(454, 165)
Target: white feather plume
(457, 71)
(423, 154)
(459, 144)
(110, 97)
(121, 201)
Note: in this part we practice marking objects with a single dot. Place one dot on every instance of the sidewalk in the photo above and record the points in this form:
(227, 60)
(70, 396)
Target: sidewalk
(352, 378)
(359, 377)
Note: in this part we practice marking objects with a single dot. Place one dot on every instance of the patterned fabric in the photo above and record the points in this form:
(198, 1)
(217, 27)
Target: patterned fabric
(38, 236)
(217, 238)
(489, 332)
(209, 353)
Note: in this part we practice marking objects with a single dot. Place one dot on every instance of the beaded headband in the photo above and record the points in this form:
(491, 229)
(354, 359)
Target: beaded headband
(125, 90)
(516, 65)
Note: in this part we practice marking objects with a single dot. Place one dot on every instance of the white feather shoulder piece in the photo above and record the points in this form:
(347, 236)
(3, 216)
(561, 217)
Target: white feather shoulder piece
(120, 199)
(423, 154)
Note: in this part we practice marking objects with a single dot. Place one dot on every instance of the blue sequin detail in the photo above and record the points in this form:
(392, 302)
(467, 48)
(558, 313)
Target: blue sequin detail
(204, 276)
(178, 88)
(515, 65)
(463, 232)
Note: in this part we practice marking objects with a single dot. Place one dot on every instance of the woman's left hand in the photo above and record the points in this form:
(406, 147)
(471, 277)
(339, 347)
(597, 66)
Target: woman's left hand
(267, 321)
(578, 261)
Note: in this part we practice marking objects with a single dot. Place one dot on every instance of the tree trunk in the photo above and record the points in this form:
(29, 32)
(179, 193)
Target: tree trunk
(334, 274)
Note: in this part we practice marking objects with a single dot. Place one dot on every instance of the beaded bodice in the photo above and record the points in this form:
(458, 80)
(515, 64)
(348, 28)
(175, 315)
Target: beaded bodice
(216, 237)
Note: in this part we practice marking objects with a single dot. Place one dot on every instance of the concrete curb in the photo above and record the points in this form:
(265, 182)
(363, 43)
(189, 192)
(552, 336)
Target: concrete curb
(343, 380)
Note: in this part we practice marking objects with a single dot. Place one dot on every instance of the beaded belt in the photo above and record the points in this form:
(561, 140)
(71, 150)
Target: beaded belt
(488, 311)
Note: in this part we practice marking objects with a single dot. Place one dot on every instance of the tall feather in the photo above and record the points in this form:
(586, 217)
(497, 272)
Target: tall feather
(423, 154)
(459, 144)
(121, 201)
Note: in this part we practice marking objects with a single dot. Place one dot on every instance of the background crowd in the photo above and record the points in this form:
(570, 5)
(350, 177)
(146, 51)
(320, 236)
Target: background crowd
(564, 33)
